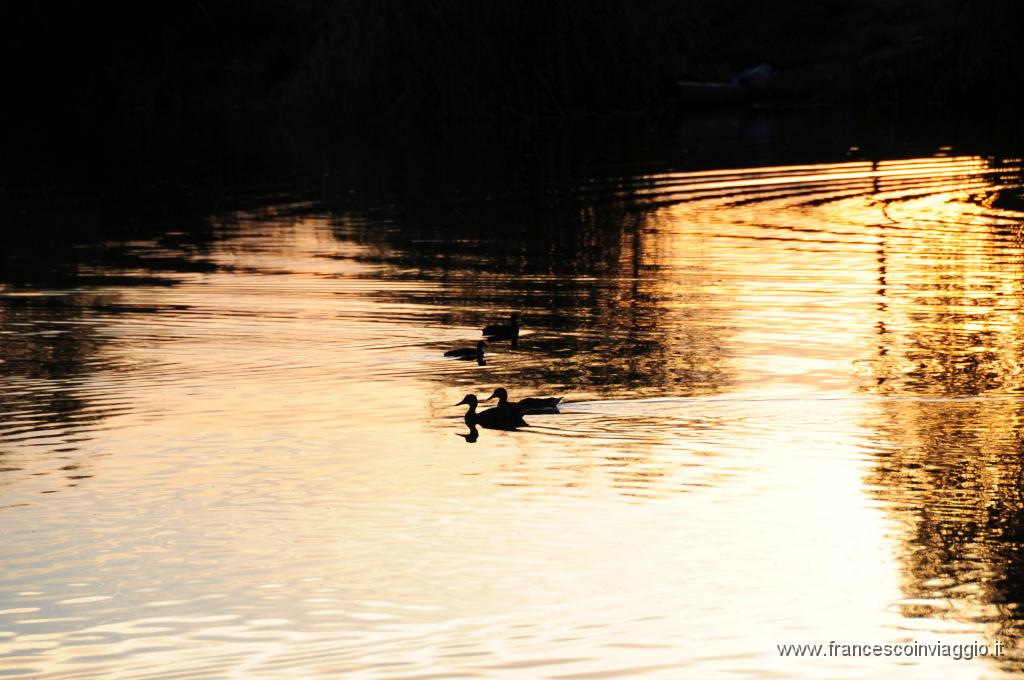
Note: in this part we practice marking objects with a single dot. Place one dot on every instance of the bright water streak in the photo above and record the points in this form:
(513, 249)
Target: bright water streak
(793, 416)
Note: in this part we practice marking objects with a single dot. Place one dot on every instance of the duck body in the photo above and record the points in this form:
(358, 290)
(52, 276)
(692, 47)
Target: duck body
(503, 331)
(528, 405)
(538, 404)
(496, 418)
(467, 352)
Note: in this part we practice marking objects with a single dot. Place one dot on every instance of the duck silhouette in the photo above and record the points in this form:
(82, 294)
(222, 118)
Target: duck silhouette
(496, 418)
(508, 331)
(468, 352)
(528, 405)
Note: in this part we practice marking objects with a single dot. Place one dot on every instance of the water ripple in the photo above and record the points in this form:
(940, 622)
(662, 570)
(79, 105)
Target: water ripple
(792, 406)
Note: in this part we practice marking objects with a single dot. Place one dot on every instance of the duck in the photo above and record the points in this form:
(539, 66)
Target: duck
(528, 405)
(504, 332)
(496, 418)
(468, 352)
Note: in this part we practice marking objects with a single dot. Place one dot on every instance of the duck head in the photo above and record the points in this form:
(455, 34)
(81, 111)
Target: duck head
(500, 393)
(469, 399)
(480, 347)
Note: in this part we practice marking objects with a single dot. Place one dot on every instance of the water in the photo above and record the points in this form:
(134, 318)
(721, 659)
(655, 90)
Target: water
(793, 415)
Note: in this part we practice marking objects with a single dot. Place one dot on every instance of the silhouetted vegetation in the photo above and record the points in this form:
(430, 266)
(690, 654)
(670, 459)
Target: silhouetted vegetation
(520, 57)
(108, 62)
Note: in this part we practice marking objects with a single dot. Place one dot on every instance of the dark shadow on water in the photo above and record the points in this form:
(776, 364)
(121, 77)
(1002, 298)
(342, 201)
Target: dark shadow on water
(953, 484)
(472, 435)
(75, 235)
(952, 475)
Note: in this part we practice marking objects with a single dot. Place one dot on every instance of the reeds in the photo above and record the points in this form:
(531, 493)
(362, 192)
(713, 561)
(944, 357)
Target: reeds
(450, 59)
(502, 57)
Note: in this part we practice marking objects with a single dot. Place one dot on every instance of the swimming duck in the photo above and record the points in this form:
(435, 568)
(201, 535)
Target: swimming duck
(528, 405)
(467, 352)
(494, 418)
(504, 332)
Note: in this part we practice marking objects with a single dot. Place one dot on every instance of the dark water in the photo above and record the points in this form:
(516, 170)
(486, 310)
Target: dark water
(792, 360)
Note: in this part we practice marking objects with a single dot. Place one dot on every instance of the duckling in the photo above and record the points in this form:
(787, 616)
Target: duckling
(494, 418)
(504, 332)
(528, 405)
(467, 352)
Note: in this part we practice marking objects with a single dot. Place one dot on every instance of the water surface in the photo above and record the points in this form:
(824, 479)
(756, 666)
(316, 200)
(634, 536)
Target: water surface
(793, 415)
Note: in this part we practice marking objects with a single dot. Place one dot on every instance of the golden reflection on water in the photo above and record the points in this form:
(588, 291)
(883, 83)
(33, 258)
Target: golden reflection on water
(792, 416)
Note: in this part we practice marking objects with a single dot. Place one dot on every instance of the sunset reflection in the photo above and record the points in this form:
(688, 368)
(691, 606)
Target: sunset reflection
(791, 415)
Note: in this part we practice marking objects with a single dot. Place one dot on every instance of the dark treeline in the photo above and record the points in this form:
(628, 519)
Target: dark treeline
(85, 62)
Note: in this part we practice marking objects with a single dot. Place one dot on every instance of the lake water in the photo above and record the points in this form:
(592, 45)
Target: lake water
(794, 399)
